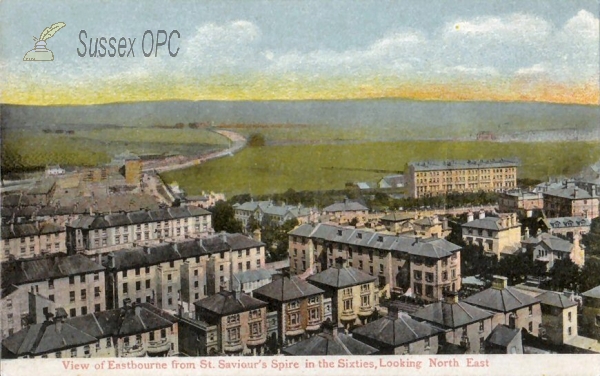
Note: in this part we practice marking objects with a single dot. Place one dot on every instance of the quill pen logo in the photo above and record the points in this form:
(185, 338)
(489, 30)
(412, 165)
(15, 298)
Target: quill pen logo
(40, 52)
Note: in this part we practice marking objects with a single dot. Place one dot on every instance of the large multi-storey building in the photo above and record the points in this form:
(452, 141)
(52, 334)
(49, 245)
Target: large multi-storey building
(433, 178)
(25, 240)
(175, 275)
(74, 283)
(401, 264)
(267, 211)
(96, 234)
(523, 202)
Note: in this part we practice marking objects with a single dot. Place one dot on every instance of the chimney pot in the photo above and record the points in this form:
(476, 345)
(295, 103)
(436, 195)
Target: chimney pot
(451, 297)
(500, 282)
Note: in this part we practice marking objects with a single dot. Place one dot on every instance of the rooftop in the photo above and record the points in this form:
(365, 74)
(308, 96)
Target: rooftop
(505, 300)
(226, 303)
(451, 315)
(396, 331)
(463, 164)
(328, 343)
(592, 293)
(340, 277)
(551, 242)
(502, 335)
(22, 230)
(347, 205)
(556, 299)
(429, 247)
(285, 288)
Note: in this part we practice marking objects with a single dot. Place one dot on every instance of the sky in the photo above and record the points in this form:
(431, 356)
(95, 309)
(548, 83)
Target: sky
(498, 50)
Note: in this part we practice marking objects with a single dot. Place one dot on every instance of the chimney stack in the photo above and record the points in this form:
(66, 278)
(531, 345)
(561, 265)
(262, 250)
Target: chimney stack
(470, 216)
(393, 311)
(127, 302)
(499, 282)
(451, 297)
(481, 214)
(340, 262)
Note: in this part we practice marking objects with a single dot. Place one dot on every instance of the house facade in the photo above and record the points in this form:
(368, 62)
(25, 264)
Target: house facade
(571, 201)
(352, 292)
(590, 318)
(26, 240)
(497, 236)
(548, 248)
(433, 178)
(98, 234)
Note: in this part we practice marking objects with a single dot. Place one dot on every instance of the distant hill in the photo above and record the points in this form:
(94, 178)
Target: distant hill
(430, 119)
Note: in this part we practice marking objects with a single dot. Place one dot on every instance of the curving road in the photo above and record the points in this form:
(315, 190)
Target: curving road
(237, 143)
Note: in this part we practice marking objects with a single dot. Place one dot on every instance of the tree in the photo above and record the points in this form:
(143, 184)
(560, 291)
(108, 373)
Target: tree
(589, 276)
(256, 140)
(564, 274)
(223, 218)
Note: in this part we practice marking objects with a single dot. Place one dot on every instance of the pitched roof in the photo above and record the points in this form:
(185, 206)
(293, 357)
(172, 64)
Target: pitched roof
(397, 217)
(136, 217)
(502, 335)
(592, 293)
(286, 288)
(87, 329)
(227, 303)
(505, 300)
(463, 164)
(329, 344)
(429, 247)
(341, 277)
(347, 205)
(487, 223)
(54, 266)
(556, 299)
(451, 315)
(572, 193)
(568, 222)
(145, 256)
(396, 331)
(252, 276)
(46, 337)
(22, 230)
(551, 242)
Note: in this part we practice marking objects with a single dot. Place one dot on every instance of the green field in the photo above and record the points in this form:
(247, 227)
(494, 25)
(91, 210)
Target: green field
(29, 148)
(273, 169)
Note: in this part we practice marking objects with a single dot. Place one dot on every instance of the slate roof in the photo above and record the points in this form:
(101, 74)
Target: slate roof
(83, 330)
(487, 223)
(552, 242)
(592, 293)
(269, 208)
(397, 217)
(556, 299)
(23, 230)
(451, 315)
(341, 277)
(347, 205)
(253, 275)
(463, 164)
(46, 337)
(226, 303)
(502, 335)
(506, 300)
(430, 247)
(165, 252)
(391, 331)
(329, 344)
(20, 272)
(138, 217)
(394, 180)
(286, 288)
(571, 193)
(568, 222)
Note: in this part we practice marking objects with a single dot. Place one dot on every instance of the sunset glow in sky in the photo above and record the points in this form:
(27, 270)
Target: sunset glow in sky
(264, 50)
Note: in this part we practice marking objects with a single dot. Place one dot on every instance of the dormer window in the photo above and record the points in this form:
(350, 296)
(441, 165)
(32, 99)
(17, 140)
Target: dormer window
(359, 235)
(339, 232)
(380, 238)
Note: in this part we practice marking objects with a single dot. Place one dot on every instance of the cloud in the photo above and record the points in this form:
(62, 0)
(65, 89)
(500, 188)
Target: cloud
(515, 27)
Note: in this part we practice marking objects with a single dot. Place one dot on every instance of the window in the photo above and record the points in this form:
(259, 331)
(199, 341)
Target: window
(51, 284)
(72, 312)
(444, 276)
(240, 266)
(169, 277)
(125, 288)
(73, 353)
(255, 313)
(429, 277)
(381, 268)
(84, 310)
(171, 264)
(429, 291)
(124, 273)
(169, 289)
(96, 276)
(147, 283)
(481, 326)
(83, 294)
(365, 288)
(418, 275)
(170, 301)
(138, 286)
(570, 331)
(247, 252)
(71, 296)
(196, 296)
(196, 273)
(255, 329)
(294, 305)
(196, 284)
(108, 343)
(360, 264)
(294, 319)
(221, 267)
(247, 265)
(530, 310)
(51, 297)
(147, 270)
(233, 319)
(427, 343)
(569, 316)
(313, 300)
(347, 304)
(58, 354)
(530, 327)
(97, 308)
(258, 263)
(71, 280)
(137, 271)
(365, 300)
(418, 289)
(233, 334)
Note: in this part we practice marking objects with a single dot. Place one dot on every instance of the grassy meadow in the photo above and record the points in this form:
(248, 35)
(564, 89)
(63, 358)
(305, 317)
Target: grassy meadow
(273, 169)
(31, 148)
